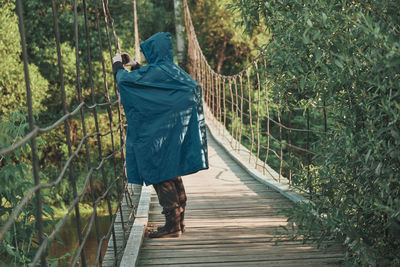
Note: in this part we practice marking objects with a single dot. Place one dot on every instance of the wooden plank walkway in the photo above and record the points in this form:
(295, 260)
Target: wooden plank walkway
(231, 220)
(128, 216)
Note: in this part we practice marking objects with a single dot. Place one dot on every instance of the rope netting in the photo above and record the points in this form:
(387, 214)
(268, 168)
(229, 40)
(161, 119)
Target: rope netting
(243, 107)
(115, 134)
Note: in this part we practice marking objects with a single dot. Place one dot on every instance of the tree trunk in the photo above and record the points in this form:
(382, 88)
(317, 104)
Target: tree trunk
(221, 55)
(137, 46)
(179, 27)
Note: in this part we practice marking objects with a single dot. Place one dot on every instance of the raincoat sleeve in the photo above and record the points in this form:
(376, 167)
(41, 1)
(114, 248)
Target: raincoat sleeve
(116, 67)
(136, 67)
(131, 85)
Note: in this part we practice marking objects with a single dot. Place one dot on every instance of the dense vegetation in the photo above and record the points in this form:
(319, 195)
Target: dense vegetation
(345, 54)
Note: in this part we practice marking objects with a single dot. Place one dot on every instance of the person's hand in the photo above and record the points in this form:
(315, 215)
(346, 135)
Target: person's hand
(116, 58)
(131, 62)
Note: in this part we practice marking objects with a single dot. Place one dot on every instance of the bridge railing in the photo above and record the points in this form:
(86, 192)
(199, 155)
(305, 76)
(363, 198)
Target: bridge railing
(90, 144)
(274, 132)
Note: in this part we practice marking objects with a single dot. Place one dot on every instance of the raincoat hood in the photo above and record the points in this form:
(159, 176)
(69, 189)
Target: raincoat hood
(166, 135)
(158, 48)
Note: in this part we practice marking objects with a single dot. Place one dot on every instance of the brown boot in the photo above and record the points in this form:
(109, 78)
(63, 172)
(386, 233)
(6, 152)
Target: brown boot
(172, 226)
(168, 198)
(182, 218)
(180, 190)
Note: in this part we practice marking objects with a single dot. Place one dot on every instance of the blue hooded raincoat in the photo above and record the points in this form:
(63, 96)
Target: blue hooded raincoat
(166, 135)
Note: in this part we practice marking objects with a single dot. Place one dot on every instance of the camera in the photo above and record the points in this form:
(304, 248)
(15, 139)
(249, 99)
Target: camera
(125, 59)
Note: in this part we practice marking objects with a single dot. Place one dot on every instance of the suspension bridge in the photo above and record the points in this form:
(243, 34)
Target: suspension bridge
(235, 213)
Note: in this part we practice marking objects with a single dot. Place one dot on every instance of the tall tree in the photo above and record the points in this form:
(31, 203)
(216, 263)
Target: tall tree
(137, 46)
(179, 30)
(225, 45)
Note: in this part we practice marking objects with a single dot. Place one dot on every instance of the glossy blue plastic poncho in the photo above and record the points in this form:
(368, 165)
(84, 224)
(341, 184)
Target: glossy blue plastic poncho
(163, 105)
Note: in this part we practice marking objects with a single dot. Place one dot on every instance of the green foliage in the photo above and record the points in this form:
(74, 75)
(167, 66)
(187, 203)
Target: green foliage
(345, 54)
(16, 178)
(226, 46)
(48, 63)
(12, 83)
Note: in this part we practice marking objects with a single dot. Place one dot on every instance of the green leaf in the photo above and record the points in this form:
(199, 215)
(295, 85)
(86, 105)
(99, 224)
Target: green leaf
(306, 39)
(324, 17)
(367, 155)
(302, 82)
(378, 168)
(338, 63)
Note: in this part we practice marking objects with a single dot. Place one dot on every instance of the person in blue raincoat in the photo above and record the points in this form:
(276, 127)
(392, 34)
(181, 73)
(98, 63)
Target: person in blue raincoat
(166, 135)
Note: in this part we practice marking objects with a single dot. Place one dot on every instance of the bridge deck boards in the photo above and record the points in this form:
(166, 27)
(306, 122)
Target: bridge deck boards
(231, 220)
(109, 257)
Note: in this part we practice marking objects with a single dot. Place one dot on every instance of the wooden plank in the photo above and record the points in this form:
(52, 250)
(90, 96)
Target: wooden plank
(242, 246)
(219, 242)
(237, 249)
(261, 263)
(192, 208)
(109, 257)
(236, 255)
(240, 258)
(131, 251)
(215, 201)
(227, 213)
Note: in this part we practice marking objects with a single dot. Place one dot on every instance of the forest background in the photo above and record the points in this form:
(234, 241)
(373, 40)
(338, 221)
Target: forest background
(343, 56)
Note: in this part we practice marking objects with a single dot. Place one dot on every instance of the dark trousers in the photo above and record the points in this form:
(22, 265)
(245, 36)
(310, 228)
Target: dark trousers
(171, 194)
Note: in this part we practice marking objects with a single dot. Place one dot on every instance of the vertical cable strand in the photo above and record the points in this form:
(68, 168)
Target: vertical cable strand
(35, 158)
